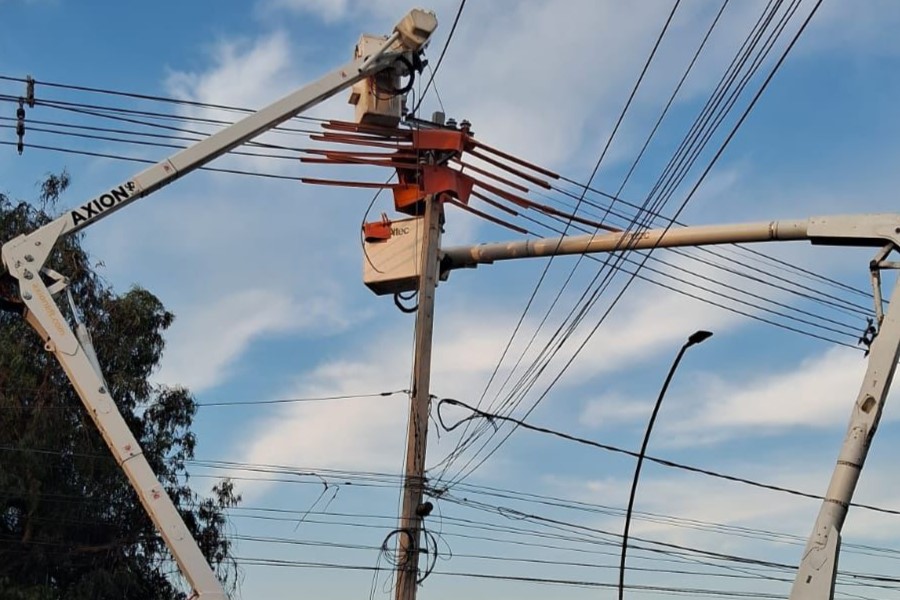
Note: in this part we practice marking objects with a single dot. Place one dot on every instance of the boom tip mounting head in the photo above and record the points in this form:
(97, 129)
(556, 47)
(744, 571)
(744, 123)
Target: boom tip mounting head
(415, 28)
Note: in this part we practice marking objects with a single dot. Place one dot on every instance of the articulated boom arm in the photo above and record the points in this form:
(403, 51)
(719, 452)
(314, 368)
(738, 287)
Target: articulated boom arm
(818, 567)
(25, 256)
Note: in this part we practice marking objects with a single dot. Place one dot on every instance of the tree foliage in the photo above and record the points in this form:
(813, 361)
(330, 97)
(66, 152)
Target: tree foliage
(70, 524)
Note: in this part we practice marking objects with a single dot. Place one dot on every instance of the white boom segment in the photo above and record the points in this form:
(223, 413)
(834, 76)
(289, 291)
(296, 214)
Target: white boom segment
(24, 258)
(849, 230)
(818, 566)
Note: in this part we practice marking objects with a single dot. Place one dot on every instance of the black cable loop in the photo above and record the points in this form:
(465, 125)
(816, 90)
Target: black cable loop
(398, 296)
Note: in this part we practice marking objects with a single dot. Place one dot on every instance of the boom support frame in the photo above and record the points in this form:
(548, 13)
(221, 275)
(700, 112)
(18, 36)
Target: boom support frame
(815, 576)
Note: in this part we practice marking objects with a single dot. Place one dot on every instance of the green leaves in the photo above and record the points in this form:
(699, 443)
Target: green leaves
(70, 524)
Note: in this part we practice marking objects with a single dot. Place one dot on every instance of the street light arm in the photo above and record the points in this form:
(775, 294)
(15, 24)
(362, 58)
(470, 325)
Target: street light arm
(841, 230)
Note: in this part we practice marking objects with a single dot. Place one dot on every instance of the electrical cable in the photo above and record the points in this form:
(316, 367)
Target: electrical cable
(853, 334)
(521, 423)
(596, 168)
(693, 190)
(300, 400)
(198, 138)
(440, 60)
(139, 96)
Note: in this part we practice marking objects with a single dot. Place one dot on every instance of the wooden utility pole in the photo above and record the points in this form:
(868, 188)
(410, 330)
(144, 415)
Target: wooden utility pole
(411, 516)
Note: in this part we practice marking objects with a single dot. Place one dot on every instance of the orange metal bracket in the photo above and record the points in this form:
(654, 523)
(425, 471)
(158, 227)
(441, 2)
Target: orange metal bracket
(377, 231)
(429, 162)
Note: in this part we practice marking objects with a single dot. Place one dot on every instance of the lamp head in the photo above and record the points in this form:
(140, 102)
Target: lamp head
(698, 337)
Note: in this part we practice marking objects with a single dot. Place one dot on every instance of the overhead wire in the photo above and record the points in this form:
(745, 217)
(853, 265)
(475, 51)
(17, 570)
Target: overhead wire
(852, 333)
(355, 519)
(678, 555)
(213, 404)
(542, 277)
(585, 535)
(219, 122)
(849, 330)
(580, 198)
(440, 59)
(730, 136)
(299, 400)
(770, 42)
(222, 122)
(645, 256)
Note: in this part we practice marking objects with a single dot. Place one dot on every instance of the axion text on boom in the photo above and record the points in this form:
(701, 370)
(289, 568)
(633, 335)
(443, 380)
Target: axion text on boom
(103, 202)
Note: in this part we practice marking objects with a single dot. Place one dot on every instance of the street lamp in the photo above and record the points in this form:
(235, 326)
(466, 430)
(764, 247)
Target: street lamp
(695, 338)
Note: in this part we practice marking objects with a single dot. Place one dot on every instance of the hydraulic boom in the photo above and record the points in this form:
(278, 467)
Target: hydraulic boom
(818, 566)
(24, 258)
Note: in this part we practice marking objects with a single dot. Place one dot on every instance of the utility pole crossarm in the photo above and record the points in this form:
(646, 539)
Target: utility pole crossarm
(855, 230)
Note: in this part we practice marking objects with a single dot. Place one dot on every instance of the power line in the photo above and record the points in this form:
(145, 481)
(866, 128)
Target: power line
(492, 417)
(300, 400)
(550, 262)
(140, 96)
(440, 59)
(690, 194)
(666, 549)
(175, 128)
(851, 334)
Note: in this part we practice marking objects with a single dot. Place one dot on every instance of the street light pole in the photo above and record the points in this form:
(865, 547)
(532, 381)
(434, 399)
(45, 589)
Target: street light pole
(695, 338)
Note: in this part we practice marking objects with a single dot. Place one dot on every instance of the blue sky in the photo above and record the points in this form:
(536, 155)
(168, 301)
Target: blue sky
(264, 277)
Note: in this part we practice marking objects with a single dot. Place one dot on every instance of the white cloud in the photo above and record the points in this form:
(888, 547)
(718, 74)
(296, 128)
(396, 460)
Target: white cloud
(613, 409)
(290, 248)
(331, 11)
(817, 392)
(366, 434)
(467, 347)
(204, 344)
(691, 502)
(356, 434)
(248, 73)
(861, 28)
(245, 73)
(328, 10)
(701, 499)
(641, 326)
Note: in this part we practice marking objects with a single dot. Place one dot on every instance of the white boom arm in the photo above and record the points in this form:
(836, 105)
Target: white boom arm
(25, 256)
(818, 566)
(852, 230)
